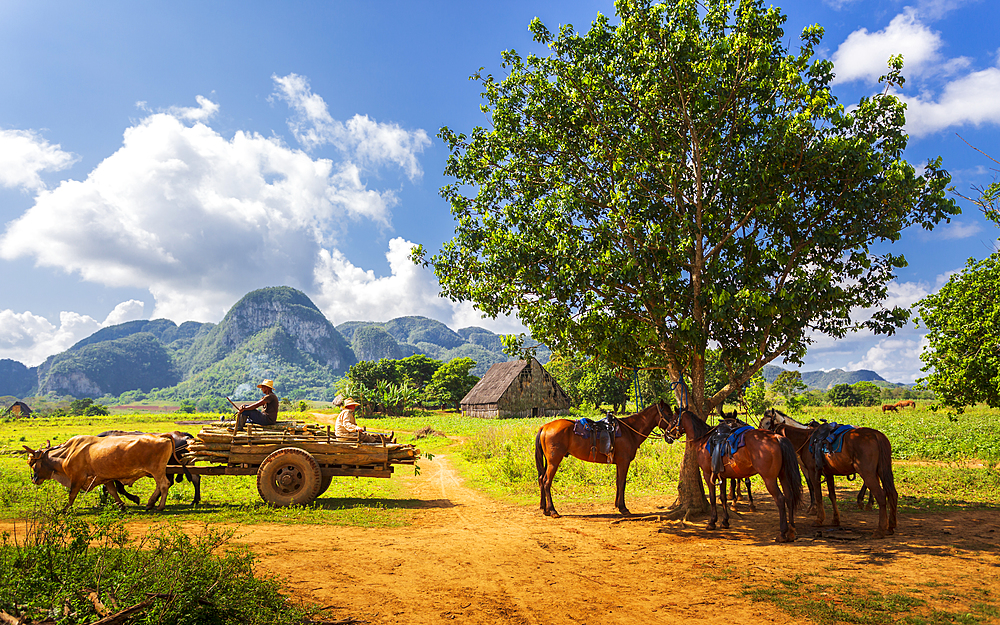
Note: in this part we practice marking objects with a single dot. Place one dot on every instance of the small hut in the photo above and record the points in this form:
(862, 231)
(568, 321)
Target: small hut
(518, 388)
(18, 409)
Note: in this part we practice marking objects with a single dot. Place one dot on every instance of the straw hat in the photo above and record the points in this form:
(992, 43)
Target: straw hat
(268, 383)
(350, 403)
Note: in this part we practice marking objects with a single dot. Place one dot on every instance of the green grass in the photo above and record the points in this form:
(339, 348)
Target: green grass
(856, 601)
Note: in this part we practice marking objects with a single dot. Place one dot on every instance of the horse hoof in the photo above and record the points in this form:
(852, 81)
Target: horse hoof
(753, 508)
(711, 525)
(725, 525)
(553, 514)
(624, 511)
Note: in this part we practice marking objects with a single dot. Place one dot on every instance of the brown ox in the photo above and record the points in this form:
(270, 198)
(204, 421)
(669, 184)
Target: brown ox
(85, 462)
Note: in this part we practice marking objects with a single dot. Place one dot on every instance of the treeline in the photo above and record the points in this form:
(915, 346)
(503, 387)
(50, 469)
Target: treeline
(397, 386)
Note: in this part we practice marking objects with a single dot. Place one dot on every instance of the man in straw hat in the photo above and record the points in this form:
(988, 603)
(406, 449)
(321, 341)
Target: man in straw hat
(250, 414)
(347, 427)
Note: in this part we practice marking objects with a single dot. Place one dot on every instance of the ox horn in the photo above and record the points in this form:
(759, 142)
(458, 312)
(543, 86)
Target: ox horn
(28, 449)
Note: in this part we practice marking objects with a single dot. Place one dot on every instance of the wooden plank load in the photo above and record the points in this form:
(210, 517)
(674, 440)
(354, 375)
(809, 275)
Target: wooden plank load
(217, 443)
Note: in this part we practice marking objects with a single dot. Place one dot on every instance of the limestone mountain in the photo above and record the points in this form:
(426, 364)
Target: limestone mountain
(825, 380)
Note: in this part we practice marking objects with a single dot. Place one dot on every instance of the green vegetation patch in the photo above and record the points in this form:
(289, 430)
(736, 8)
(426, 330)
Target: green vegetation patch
(64, 567)
(854, 601)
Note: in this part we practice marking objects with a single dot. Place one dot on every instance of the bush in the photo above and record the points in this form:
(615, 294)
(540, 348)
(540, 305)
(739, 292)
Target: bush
(198, 580)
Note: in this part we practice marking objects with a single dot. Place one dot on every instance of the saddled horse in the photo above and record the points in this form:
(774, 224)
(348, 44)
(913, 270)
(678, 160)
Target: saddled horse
(735, 493)
(764, 453)
(865, 452)
(555, 440)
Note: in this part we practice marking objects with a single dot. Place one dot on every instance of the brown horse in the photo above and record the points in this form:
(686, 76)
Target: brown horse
(763, 453)
(906, 403)
(555, 440)
(866, 452)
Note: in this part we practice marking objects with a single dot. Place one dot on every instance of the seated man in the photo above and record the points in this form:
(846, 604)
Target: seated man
(347, 427)
(250, 414)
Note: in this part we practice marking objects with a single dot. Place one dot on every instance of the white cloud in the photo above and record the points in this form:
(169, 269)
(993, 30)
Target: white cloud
(955, 230)
(349, 293)
(895, 359)
(369, 142)
(24, 155)
(864, 54)
(197, 219)
(30, 339)
(970, 99)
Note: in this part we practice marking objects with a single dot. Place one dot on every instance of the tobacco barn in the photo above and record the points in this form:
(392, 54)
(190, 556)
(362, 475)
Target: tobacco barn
(518, 388)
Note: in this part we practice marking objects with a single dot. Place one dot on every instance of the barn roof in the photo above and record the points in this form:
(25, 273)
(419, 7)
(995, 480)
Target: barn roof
(498, 379)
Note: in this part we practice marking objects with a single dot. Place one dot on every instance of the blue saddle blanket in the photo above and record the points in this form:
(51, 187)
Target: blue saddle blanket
(833, 442)
(733, 442)
(585, 427)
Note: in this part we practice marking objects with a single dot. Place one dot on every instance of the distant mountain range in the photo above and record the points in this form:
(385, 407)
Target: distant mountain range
(825, 380)
(276, 333)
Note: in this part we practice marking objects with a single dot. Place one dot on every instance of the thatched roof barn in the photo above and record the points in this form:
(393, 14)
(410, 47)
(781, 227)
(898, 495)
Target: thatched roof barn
(18, 409)
(518, 388)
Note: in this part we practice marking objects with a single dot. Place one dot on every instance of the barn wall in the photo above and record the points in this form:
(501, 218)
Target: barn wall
(533, 394)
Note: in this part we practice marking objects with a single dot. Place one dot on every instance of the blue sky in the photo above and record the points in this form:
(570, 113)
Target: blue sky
(162, 161)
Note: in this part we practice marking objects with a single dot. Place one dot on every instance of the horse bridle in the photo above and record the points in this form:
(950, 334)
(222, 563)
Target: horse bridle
(672, 432)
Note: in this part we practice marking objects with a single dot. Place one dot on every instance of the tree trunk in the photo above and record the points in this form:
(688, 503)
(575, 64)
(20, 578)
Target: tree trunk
(691, 498)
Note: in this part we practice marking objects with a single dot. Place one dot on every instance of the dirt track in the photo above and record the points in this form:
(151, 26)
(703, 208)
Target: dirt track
(470, 559)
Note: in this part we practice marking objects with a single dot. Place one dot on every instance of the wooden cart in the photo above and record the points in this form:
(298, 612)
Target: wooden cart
(294, 461)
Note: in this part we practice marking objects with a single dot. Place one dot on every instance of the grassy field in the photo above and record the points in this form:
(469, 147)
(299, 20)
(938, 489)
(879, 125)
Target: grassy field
(940, 464)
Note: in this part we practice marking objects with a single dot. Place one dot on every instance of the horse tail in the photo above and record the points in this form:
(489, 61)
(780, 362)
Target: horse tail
(885, 472)
(540, 463)
(790, 471)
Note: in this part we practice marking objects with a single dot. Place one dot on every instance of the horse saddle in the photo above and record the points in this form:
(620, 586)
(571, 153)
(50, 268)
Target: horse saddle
(827, 438)
(726, 439)
(602, 435)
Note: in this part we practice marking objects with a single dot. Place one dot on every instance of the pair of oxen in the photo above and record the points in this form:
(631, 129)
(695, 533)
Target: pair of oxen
(113, 460)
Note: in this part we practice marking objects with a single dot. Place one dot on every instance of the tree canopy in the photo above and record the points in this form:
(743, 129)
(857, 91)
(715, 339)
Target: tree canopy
(676, 181)
(962, 359)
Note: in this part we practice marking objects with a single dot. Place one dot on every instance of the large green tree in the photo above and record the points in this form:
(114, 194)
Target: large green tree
(962, 359)
(679, 180)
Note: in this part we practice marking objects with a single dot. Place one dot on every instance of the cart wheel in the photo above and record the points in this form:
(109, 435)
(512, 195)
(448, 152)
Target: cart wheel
(289, 476)
(324, 484)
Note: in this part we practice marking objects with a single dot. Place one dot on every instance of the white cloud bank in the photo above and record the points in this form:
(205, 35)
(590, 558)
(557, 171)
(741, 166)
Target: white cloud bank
(30, 339)
(200, 220)
(950, 94)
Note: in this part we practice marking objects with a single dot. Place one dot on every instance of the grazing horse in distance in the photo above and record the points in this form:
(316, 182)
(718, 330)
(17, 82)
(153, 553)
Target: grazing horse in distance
(763, 453)
(555, 440)
(890, 408)
(865, 451)
(906, 403)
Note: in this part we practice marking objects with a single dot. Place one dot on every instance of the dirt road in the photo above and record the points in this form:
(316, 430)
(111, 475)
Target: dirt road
(470, 559)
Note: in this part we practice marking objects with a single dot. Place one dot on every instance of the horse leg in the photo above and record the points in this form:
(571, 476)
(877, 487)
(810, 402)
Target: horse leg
(620, 475)
(861, 497)
(786, 534)
(711, 497)
(550, 474)
(816, 485)
(831, 489)
(753, 508)
(875, 486)
(725, 504)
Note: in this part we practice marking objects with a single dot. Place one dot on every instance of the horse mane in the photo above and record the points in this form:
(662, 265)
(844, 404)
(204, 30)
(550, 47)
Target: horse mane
(700, 427)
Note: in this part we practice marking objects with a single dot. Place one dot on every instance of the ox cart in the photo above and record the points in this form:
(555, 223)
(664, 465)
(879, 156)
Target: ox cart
(294, 461)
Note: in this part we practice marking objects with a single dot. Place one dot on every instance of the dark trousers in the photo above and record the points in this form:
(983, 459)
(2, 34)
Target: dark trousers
(252, 416)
